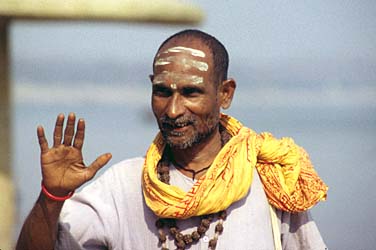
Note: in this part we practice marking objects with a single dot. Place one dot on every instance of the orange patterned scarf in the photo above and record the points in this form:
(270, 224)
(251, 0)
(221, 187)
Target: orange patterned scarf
(289, 180)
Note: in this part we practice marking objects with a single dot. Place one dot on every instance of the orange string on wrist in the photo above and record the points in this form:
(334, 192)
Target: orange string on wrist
(53, 197)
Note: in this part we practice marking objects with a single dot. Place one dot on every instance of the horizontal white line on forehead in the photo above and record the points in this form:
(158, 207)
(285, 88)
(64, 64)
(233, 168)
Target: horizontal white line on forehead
(185, 62)
(175, 77)
(177, 49)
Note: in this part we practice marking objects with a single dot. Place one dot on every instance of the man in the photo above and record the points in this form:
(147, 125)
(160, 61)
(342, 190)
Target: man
(206, 182)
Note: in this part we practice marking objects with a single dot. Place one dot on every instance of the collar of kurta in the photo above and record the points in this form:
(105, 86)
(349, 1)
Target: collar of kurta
(288, 177)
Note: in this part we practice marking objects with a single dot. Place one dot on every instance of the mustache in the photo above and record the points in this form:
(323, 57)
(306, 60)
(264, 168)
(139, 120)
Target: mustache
(178, 122)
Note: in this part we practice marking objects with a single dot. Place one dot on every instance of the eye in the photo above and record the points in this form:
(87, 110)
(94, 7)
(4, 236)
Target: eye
(161, 91)
(191, 91)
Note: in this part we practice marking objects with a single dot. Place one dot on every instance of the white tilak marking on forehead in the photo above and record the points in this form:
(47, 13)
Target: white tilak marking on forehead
(187, 63)
(181, 49)
(193, 52)
(158, 81)
(175, 77)
(197, 80)
(161, 62)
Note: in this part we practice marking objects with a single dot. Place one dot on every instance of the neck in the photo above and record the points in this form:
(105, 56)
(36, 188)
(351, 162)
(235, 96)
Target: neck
(198, 156)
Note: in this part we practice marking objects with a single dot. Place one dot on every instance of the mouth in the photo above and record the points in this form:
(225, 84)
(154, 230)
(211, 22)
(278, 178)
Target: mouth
(176, 129)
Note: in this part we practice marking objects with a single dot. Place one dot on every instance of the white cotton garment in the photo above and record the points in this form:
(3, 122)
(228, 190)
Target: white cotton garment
(110, 213)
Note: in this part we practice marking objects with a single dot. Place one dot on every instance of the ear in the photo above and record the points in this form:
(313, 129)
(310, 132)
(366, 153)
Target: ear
(151, 77)
(227, 90)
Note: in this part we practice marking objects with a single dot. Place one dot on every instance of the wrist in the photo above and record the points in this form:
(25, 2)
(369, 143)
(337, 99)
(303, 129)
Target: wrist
(50, 196)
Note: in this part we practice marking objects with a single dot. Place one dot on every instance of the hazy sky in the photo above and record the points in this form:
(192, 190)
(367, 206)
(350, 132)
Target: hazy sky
(327, 46)
(266, 30)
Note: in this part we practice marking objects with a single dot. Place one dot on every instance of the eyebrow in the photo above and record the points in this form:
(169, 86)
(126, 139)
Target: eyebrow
(168, 89)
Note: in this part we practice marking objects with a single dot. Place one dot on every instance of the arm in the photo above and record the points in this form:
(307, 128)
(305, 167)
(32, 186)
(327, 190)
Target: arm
(299, 231)
(63, 171)
(40, 228)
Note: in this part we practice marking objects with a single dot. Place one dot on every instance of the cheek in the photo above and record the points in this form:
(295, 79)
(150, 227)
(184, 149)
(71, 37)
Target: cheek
(206, 113)
(158, 102)
(203, 106)
(157, 106)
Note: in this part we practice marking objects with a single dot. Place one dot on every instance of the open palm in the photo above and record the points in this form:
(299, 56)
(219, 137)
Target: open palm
(63, 169)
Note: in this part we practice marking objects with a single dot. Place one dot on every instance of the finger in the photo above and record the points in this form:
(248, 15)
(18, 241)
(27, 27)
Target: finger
(42, 140)
(58, 132)
(69, 129)
(80, 134)
(98, 164)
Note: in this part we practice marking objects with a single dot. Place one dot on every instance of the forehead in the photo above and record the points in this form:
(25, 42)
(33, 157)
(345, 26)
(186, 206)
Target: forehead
(183, 57)
(189, 47)
(182, 49)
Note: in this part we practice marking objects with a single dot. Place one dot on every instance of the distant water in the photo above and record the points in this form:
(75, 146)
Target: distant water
(340, 140)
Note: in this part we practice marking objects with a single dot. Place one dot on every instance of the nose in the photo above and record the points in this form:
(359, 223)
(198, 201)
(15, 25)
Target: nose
(175, 107)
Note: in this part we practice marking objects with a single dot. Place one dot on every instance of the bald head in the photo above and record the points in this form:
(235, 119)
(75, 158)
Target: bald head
(190, 41)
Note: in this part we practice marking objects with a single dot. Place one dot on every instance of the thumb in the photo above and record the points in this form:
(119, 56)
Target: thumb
(98, 164)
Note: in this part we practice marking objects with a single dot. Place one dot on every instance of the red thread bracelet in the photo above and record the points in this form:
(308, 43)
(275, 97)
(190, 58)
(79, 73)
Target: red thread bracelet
(53, 197)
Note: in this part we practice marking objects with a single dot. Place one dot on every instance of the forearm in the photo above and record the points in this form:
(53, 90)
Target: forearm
(40, 228)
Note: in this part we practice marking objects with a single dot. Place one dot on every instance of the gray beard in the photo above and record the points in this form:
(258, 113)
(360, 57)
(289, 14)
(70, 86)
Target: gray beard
(197, 138)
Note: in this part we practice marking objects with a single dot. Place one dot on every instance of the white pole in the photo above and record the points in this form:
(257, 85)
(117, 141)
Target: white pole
(6, 182)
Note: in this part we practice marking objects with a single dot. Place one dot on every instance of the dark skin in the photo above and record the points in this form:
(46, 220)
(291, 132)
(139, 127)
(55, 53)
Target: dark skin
(178, 98)
(63, 169)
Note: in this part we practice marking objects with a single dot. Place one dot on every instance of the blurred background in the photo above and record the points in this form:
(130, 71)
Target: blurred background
(304, 69)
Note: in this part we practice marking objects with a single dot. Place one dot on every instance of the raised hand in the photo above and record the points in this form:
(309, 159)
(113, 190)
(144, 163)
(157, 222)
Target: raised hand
(63, 169)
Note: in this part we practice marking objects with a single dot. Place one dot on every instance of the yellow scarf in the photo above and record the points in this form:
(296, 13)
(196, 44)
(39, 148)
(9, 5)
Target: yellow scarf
(289, 180)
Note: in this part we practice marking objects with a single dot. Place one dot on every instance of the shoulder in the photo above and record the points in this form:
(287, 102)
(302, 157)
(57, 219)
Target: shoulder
(98, 212)
(128, 166)
(119, 181)
(120, 177)
(125, 173)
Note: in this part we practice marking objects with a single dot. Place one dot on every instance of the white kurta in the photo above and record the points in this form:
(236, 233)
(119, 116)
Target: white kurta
(110, 213)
